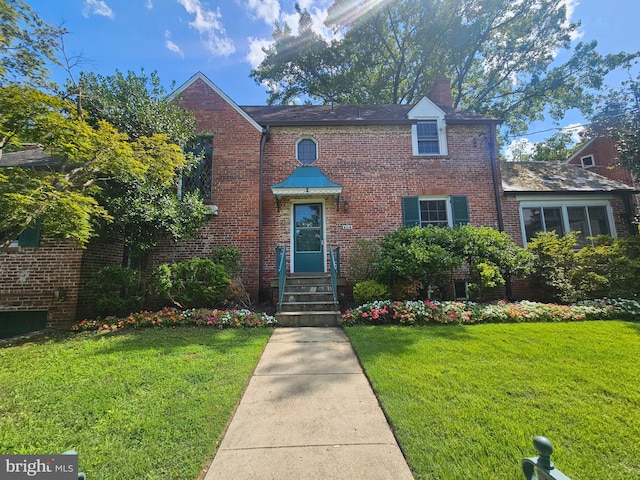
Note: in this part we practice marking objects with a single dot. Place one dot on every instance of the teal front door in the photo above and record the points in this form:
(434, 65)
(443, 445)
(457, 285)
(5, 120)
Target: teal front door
(308, 241)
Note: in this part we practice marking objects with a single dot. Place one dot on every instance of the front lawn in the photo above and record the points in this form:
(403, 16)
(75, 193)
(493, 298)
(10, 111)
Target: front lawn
(148, 403)
(466, 401)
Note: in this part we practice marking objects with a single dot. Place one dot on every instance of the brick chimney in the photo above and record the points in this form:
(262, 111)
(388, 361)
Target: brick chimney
(441, 91)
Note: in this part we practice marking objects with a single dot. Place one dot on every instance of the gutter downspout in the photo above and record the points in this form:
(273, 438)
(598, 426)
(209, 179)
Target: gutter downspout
(494, 171)
(263, 141)
(496, 191)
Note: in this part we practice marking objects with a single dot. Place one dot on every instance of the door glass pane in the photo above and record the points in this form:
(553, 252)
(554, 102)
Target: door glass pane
(532, 218)
(599, 221)
(553, 220)
(578, 223)
(308, 228)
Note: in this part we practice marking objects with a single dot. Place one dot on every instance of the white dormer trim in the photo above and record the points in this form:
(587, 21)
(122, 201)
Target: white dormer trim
(224, 96)
(425, 109)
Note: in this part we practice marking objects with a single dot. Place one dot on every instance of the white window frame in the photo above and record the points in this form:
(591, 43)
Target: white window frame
(563, 205)
(302, 139)
(447, 205)
(593, 161)
(426, 110)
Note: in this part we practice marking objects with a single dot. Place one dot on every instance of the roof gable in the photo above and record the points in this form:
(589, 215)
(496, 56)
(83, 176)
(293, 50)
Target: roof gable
(201, 76)
(425, 108)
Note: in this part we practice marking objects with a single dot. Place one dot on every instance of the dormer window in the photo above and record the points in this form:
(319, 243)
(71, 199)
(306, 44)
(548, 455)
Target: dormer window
(307, 151)
(428, 134)
(587, 162)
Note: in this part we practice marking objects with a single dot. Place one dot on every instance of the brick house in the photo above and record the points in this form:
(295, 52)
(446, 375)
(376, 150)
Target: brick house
(307, 177)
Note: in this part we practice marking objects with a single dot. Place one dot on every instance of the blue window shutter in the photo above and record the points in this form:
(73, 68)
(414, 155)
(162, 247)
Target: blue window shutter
(30, 236)
(459, 209)
(410, 211)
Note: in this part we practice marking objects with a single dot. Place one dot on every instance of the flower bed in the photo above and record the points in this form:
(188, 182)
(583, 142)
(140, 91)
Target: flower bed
(172, 317)
(433, 312)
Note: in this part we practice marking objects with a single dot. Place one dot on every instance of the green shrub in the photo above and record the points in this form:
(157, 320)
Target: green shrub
(362, 260)
(117, 290)
(194, 283)
(229, 257)
(370, 291)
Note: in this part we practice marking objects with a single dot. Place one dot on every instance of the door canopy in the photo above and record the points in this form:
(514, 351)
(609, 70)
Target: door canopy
(306, 181)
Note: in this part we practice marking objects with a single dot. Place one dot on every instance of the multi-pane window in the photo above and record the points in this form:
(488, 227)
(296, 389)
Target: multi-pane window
(427, 133)
(433, 212)
(588, 220)
(307, 151)
(200, 177)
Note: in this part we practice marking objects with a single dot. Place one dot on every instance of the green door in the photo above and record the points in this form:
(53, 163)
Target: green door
(308, 244)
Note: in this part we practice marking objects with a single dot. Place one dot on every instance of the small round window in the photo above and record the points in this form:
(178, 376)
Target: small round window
(307, 151)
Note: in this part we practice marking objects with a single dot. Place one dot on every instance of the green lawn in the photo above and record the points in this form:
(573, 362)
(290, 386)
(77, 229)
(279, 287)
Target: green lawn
(466, 401)
(146, 403)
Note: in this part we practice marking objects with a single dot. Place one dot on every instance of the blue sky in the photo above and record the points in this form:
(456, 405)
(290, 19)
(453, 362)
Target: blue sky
(223, 38)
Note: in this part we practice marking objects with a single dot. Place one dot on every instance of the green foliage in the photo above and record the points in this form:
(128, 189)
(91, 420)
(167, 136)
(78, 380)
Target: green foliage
(229, 257)
(618, 116)
(557, 148)
(362, 259)
(499, 55)
(554, 265)
(429, 255)
(117, 291)
(610, 267)
(27, 44)
(369, 291)
(194, 283)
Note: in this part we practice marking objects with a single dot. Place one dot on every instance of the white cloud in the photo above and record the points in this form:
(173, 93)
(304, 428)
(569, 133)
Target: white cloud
(519, 149)
(256, 55)
(266, 10)
(97, 7)
(172, 46)
(149, 4)
(574, 129)
(571, 5)
(209, 25)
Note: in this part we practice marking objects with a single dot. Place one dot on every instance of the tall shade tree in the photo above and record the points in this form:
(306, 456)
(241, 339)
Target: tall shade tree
(27, 44)
(500, 55)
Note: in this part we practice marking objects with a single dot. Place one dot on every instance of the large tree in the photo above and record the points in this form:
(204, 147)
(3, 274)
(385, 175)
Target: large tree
(502, 57)
(143, 210)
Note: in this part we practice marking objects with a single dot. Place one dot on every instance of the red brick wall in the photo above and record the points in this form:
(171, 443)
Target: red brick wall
(42, 278)
(376, 168)
(236, 179)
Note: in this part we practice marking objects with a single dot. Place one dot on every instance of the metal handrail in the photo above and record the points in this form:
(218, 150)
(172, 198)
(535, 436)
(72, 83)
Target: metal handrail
(281, 270)
(334, 265)
(541, 467)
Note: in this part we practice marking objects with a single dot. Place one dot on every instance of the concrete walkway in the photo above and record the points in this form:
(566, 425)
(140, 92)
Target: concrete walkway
(309, 413)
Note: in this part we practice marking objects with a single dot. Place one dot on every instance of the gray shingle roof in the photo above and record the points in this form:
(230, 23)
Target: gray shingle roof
(276, 115)
(537, 177)
(34, 157)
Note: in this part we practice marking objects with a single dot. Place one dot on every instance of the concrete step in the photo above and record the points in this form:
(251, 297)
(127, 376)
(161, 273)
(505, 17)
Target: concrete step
(308, 306)
(307, 297)
(308, 319)
(315, 288)
(311, 280)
